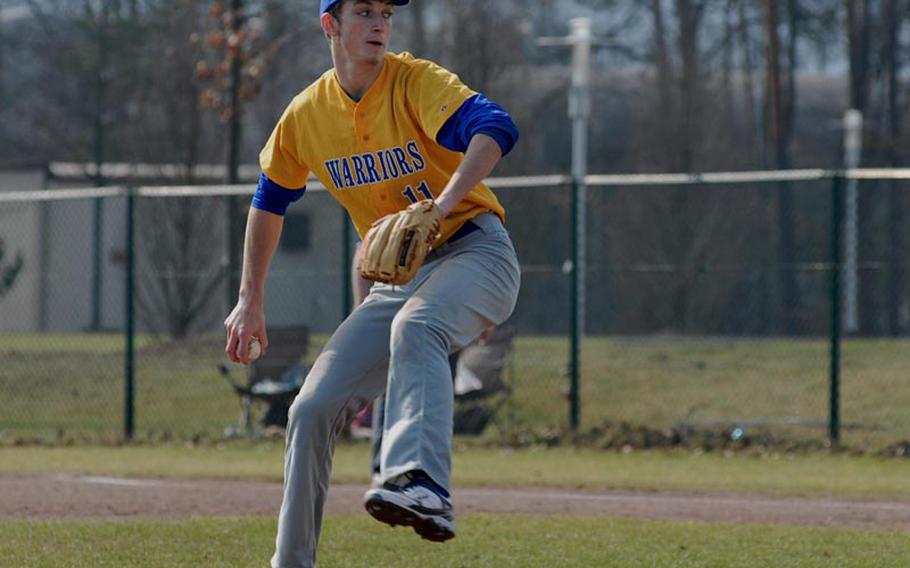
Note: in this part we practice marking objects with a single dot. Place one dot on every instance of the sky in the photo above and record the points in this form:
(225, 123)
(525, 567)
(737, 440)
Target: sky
(14, 12)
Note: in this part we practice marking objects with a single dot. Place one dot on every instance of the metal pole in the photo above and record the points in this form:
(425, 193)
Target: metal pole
(837, 261)
(232, 158)
(579, 111)
(853, 147)
(45, 217)
(575, 318)
(130, 328)
(347, 292)
(98, 237)
(98, 205)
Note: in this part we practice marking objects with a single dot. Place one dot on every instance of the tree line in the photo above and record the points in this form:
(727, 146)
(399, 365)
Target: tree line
(679, 85)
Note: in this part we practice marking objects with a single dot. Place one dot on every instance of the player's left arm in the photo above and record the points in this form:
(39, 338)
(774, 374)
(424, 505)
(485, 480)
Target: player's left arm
(481, 157)
(485, 132)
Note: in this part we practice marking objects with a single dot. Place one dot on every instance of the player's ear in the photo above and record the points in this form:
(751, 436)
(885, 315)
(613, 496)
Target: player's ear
(330, 25)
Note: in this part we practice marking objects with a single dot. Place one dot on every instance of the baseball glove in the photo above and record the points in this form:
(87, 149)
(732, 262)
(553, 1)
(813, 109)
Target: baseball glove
(396, 246)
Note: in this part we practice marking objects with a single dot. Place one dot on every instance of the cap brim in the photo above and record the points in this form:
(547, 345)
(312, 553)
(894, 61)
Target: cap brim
(396, 2)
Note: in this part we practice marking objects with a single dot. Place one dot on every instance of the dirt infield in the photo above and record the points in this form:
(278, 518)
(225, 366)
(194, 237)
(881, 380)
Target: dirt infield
(51, 497)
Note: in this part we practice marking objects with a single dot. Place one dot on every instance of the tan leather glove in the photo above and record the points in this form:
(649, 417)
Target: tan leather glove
(394, 248)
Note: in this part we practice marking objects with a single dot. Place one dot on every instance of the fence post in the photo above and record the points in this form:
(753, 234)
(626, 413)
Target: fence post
(579, 112)
(837, 262)
(575, 320)
(97, 239)
(347, 293)
(853, 150)
(130, 325)
(582, 42)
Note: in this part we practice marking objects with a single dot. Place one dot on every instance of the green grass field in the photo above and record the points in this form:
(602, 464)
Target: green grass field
(484, 540)
(72, 384)
(805, 475)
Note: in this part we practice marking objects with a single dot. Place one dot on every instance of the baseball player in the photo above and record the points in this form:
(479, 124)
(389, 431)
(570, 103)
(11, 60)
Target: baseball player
(404, 146)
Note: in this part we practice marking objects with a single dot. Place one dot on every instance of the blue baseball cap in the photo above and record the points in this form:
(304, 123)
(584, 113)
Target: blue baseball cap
(326, 5)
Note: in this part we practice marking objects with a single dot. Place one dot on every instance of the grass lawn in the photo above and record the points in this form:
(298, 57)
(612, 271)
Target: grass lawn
(802, 475)
(484, 540)
(72, 383)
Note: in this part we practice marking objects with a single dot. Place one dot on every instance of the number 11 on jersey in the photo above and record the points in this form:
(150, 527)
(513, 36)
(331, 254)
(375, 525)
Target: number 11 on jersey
(423, 189)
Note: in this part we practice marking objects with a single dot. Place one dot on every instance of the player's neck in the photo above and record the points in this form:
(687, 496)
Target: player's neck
(355, 77)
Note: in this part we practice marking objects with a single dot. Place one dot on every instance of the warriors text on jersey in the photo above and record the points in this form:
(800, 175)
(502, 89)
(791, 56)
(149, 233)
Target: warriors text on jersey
(378, 155)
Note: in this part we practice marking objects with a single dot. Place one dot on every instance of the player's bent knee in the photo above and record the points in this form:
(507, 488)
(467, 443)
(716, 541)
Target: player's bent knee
(307, 412)
(412, 331)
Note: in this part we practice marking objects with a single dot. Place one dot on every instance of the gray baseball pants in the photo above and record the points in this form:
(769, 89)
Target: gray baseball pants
(462, 288)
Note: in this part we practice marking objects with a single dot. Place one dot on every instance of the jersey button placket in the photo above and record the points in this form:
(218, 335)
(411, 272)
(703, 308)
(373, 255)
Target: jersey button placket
(379, 198)
(360, 126)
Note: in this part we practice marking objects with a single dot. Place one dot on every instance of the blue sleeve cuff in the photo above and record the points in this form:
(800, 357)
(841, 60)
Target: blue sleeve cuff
(273, 198)
(478, 115)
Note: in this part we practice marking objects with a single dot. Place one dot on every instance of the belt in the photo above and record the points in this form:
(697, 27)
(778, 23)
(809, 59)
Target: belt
(463, 231)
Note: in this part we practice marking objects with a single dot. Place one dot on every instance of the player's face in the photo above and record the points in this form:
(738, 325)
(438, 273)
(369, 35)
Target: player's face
(366, 26)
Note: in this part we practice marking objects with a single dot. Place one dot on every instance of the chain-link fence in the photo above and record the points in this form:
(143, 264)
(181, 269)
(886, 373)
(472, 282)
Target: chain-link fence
(709, 306)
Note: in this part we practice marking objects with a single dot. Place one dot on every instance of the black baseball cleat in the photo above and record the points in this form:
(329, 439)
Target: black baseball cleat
(418, 503)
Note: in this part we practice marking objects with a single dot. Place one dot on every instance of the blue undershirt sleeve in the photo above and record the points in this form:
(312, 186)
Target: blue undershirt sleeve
(273, 198)
(478, 115)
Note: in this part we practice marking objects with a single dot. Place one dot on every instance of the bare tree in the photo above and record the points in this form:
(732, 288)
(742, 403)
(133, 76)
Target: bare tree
(486, 61)
(688, 13)
(859, 23)
(690, 219)
(894, 15)
(676, 230)
(794, 28)
(3, 103)
(720, 91)
(665, 78)
(728, 54)
(234, 70)
(86, 55)
(418, 29)
(179, 263)
(773, 89)
(170, 127)
(777, 141)
(858, 32)
(178, 266)
(744, 33)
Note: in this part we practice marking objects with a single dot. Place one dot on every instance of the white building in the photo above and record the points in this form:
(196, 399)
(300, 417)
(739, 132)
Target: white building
(56, 289)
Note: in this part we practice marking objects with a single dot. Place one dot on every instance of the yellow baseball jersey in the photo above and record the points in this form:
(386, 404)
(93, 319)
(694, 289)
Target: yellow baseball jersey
(378, 155)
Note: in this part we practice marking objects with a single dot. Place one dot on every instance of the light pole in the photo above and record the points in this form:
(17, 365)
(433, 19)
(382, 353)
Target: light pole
(581, 41)
(853, 149)
(232, 151)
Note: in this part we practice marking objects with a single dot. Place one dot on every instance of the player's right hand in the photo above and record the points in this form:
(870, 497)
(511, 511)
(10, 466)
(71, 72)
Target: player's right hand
(244, 323)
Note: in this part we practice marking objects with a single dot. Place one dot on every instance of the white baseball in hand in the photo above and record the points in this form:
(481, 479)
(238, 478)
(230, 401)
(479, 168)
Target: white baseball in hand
(254, 349)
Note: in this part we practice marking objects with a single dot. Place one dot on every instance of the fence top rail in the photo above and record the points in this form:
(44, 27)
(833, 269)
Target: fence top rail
(529, 181)
(759, 176)
(708, 178)
(611, 180)
(62, 194)
(878, 173)
(119, 172)
(208, 190)
(315, 185)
